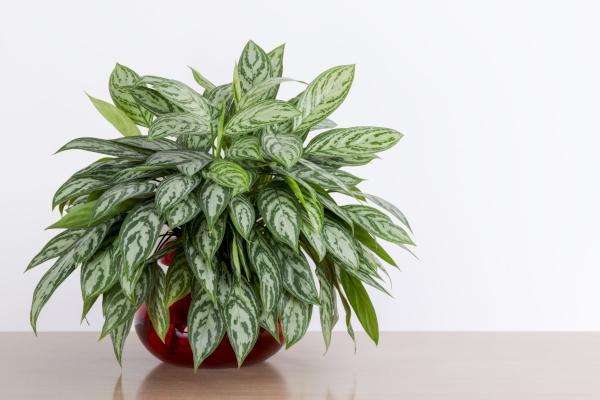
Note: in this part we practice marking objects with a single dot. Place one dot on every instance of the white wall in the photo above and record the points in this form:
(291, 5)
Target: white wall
(499, 101)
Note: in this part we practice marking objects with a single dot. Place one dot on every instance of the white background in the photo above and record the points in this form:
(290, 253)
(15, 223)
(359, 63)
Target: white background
(498, 172)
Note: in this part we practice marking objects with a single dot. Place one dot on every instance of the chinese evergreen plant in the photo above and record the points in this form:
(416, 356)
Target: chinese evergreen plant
(224, 180)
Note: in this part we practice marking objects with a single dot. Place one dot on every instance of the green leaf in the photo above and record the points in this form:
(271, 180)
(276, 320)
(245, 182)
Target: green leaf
(103, 146)
(139, 234)
(245, 148)
(294, 318)
(377, 223)
(296, 275)
(266, 264)
(262, 91)
(177, 124)
(116, 117)
(98, 275)
(118, 336)
(341, 161)
(77, 186)
(229, 174)
(276, 63)
(204, 269)
(205, 326)
(158, 311)
(106, 167)
(56, 247)
(189, 162)
(220, 94)
(327, 307)
(201, 80)
(214, 199)
(120, 80)
(389, 207)
(90, 241)
(357, 141)
(269, 322)
(281, 214)
(314, 238)
(325, 124)
(340, 243)
(331, 205)
(194, 142)
(363, 236)
(179, 280)
(241, 316)
(361, 304)
(253, 66)
(323, 96)
(327, 178)
(267, 112)
(208, 239)
(139, 173)
(285, 149)
(80, 215)
(118, 194)
(174, 189)
(51, 280)
(242, 214)
(152, 101)
(184, 211)
(146, 143)
(179, 94)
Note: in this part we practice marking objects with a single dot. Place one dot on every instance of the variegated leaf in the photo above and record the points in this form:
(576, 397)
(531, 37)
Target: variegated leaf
(242, 214)
(179, 280)
(106, 167)
(323, 96)
(118, 335)
(378, 224)
(205, 326)
(262, 91)
(116, 117)
(120, 80)
(77, 186)
(208, 239)
(296, 275)
(267, 112)
(229, 174)
(245, 148)
(98, 275)
(119, 193)
(332, 206)
(90, 241)
(200, 142)
(52, 279)
(56, 247)
(184, 211)
(253, 66)
(315, 213)
(179, 94)
(365, 274)
(179, 158)
(103, 146)
(276, 62)
(325, 124)
(204, 269)
(340, 243)
(342, 161)
(224, 287)
(327, 307)
(328, 178)
(174, 189)
(389, 207)
(268, 269)
(281, 214)
(129, 276)
(143, 172)
(314, 238)
(152, 101)
(80, 215)
(295, 317)
(201, 80)
(158, 311)
(355, 141)
(241, 316)
(220, 94)
(285, 149)
(269, 322)
(177, 124)
(139, 234)
(214, 199)
(144, 142)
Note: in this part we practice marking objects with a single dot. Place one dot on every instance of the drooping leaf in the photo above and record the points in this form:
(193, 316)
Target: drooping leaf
(281, 214)
(145, 143)
(332, 206)
(314, 238)
(56, 247)
(340, 243)
(266, 264)
(214, 199)
(208, 239)
(139, 234)
(348, 142)
(178, 280)
(201, 80)
(116, 117)
(323, 96)
(77, 186)
(361, 304)
(98, 275)
(267, 112)
(269, 322)
(177, 124)
(285, 149)
(229, 174)
(205, 326)
(389, 207)
(118, 194)
(294, 318)
(179, 94)
(118, 335)
(326, 177)
(363, 237)
(121, 79)
(377, 223)
(174, 189)
(241, 316)
(204, 269)
(245, 148)
(296, 275)
(327, 307)
(158, 310)
(103, 146)
(90, 241)
(242, 214)
(184, 211)
(253, 66)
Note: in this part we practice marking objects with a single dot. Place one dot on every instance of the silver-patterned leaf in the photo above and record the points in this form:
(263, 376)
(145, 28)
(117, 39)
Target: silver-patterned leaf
(378, 224)
(262, 91)
(314, 213)
(229, 174)
(268, 269)
(179, 94)
(118, 335)
(224, 287)
(184, 211)
(327, 307)
(281, 214)
(296, 275)
(177, 124)
(116, 117)
(389, 207)
(314, 238)
(208, 239)
(52, 279)
(200, 142)
(253, 66)
(205, 326)
(357, 141)
(106, 167)
(143, 142)
(241, 316)
(152, 101)
(201, 80)
(90, 241)
(188, 158)
(204, 269)
(337, 162)
(325, 124)
(179, 280)
(269, 322)
(295, 317)
(245, 148)
(276, 62)
(77, 186)
(267, 112)
(326, 177)
(242, 214)
(173, 189)
(120, 80)
(56, 247)
(332, 206)
(119, 193)
(139, 234)
(98, 275)
(220, 94)
(158, 311)
(340, 243)
(323, 96)
(143, 172)
(214, 199)
(284, 148)
(103, 146)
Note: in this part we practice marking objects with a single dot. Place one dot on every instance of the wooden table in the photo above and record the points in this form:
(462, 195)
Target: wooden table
(405, 366)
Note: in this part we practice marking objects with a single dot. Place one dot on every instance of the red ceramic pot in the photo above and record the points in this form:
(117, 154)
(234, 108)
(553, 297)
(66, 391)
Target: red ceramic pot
(176, 348)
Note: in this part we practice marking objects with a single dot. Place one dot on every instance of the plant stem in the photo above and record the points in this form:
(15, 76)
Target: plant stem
(220, 130)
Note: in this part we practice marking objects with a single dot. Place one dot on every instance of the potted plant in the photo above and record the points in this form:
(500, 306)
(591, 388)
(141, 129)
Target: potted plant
(216, 222)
